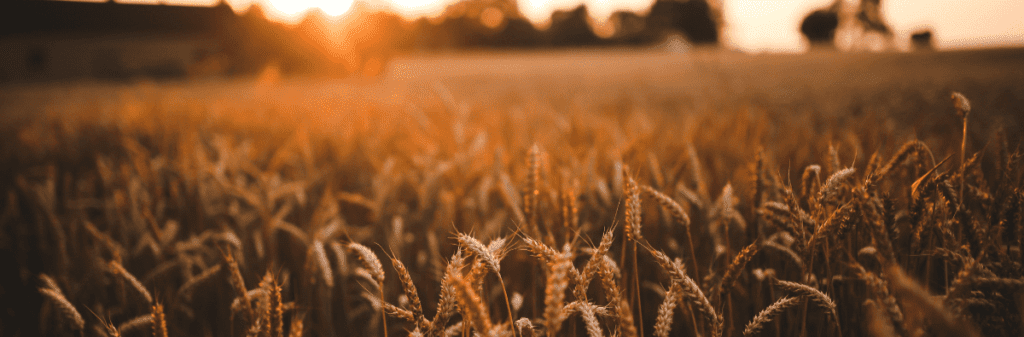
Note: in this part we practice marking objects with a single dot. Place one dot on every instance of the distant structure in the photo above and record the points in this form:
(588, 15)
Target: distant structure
(570, 28)
(860, 22)
(871, 32)
(819, 28)
(45, 40)
(697, 20)
(921, 40)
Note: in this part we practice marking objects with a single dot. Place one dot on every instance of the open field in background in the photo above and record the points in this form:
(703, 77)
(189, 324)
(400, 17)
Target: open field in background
(612, 193)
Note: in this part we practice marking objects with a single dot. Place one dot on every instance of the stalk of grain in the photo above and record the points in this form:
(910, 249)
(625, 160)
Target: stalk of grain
(189, 287)
(810, 181)
(117, 269)
(159, 322)
(115, 249)
(680, 217)
(734, 269)
(530, 199)
(836, 223)
(136, 323)
(376, 269)
(833, 183)
(238, 284)
(410, 291)
(909, 148)
(633, 234)
(69, 314)
(613, 295)
(768, 314)
(663, 324)
(525, 327)
(473, 309)
(963, 109)
(557, 281)
(446, 303)
(543, 252)
(691, 291)
(323, 264)
(570, 213)
(590, 270)
(816, 295)
(588, 312)
(275, 314)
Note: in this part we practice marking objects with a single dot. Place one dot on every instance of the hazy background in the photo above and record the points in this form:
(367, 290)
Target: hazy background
(750, 25)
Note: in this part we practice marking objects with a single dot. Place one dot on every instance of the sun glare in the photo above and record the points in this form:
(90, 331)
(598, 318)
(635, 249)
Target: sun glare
(294, 7)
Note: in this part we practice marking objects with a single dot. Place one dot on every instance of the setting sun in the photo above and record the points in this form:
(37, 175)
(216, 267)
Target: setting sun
(294, 7)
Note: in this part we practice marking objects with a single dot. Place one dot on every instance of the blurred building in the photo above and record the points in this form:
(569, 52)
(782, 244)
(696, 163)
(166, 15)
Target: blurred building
(48, 40)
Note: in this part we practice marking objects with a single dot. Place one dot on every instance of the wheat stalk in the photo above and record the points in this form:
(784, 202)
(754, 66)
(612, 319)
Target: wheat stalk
(473, 309)
(768, 314)
(117, 269)
(136, 323)
(680, 217)
(734, 268)
(68, 312)
(556, 283)
(159, 322)
(189, 287)
(411, 293)
(816, 295)
(663, 324)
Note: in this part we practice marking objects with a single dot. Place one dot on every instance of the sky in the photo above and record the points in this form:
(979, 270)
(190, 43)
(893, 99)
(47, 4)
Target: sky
(750, 25)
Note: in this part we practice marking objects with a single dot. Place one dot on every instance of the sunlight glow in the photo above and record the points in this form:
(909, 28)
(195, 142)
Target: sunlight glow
(750, 25)
(295, 7)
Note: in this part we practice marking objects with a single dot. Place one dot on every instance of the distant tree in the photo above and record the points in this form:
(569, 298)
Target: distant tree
(570, 28)
(519, 33)
(819, 27)
(629, 28)
(696, 19)
(861, 20)
(922, 40)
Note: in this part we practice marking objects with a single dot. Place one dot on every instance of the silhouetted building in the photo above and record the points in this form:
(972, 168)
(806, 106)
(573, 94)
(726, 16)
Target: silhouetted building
(58, 39)
(922, 40)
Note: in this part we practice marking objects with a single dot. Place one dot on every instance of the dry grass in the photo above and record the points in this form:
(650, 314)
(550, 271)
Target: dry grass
(649, 205)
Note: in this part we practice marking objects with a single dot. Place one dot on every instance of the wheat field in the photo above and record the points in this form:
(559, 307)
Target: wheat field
(617, 194)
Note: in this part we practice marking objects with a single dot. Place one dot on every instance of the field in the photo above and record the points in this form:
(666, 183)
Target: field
(575, 193)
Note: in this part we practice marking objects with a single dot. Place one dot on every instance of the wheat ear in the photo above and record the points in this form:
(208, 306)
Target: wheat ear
(734, 269)
(819, 297)
(680, 217)
(67, 310)
(768, 314)
(136, 323)
(473, 308)
(411, 293)
(119, 270)
(159, 322)
(663, 324)
(372, 263)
